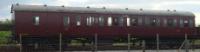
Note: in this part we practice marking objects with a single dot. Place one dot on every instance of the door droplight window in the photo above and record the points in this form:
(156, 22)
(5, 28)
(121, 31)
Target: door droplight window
(66, 21)
(109, 21)
(36, 20)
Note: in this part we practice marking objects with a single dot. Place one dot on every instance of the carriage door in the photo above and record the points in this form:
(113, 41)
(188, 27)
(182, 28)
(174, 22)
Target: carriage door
(53, 24)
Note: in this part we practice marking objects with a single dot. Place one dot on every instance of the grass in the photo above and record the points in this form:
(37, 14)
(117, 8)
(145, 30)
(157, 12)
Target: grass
(197, 42)
(4, 37)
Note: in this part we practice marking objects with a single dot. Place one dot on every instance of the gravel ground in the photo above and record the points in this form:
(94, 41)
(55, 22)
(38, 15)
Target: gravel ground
(13, 48)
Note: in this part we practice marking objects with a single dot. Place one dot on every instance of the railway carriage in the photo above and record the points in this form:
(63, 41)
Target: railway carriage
(41, 22)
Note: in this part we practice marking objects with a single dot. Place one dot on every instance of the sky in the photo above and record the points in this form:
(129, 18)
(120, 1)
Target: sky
(178, 5)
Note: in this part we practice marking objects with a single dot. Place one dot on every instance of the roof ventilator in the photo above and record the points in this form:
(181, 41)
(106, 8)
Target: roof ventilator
(174, 10)
(168, 10)
(104, 7)
(126, 8)
(45, 5)
(88, 7)
(141, 9)
(63, 6)
(17, 4)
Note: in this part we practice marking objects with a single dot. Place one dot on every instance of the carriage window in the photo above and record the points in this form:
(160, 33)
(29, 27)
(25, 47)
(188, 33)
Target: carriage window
(109, 21)
(78, 21)
(121, 21)
(170, 22)
(140, 21)
(164, 22)
(96, 20)
(115, 20)
(36, 20)
(153, 21)
(175, 22)
(66, 21)
(90, 21)
(128, 21)
(118, 21)
(134, 21)
(181, 23)
(191, 23)
(147, 21)
(158, 22)
(101, 21)
(186, 23)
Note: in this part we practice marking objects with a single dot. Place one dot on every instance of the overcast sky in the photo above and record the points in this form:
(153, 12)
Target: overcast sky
(179, 5)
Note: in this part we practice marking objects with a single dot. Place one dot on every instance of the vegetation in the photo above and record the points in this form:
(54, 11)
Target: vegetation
(5, 25)
(5, 31)
(197, 42)
(4, 37)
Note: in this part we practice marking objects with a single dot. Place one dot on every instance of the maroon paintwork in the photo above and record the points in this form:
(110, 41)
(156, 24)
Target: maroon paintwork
(51, 24)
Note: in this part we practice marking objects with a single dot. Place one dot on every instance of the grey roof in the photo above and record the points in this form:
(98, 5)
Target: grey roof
(45, 8)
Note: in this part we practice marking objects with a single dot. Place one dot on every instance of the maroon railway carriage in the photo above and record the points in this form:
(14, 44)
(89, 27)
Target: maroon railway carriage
(44, 21)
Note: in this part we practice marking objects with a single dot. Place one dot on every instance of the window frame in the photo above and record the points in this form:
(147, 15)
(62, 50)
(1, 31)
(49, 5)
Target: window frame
(118, 21)
(36, 20)
(153, 21)
(128, 23)
(78, 20)
(170, 22)
(66, 20)
(191, 22)
(181, 22)
(135, 23)
(101, 21)
(185, 23)
(90, 21)
(110, 21)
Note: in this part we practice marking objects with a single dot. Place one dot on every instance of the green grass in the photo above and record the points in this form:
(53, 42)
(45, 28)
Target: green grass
(197, 42)
(4, 36)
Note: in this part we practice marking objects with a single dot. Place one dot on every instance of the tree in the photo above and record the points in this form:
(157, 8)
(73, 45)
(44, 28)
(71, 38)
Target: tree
(6, 25)
(198, 25)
